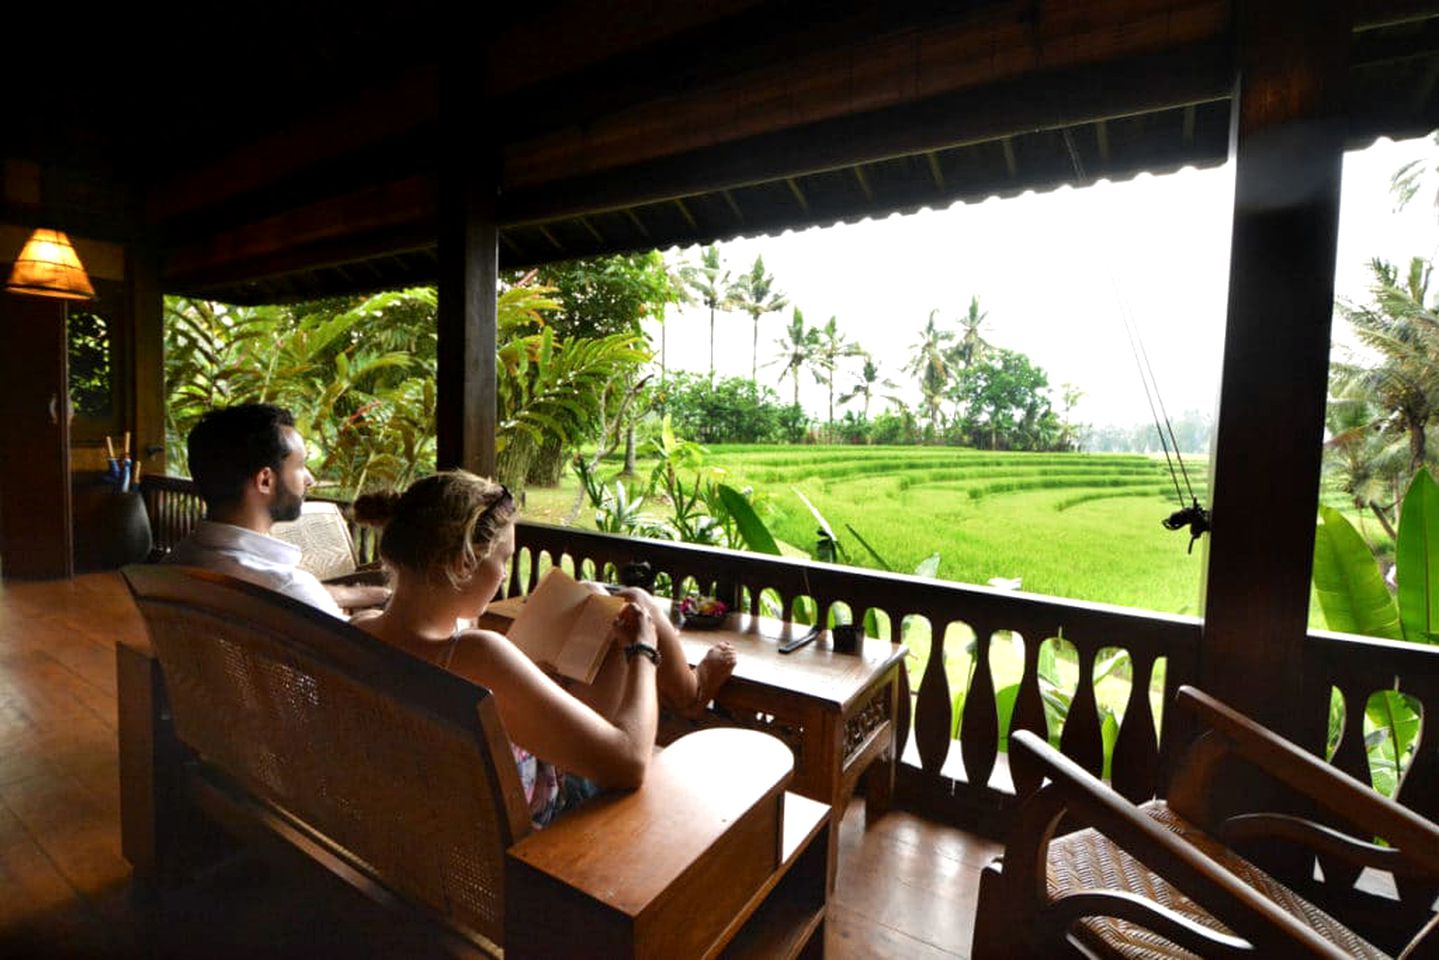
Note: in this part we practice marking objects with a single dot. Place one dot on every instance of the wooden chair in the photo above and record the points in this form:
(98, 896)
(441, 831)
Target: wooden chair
(1164, 879)
(279, 722)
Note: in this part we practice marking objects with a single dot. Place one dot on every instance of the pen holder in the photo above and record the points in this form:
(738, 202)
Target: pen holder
(846, 637)
(124, 530)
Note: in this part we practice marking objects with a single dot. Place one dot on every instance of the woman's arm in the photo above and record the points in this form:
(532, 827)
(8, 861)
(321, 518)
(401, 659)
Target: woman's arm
(676, 679)
(550, 723)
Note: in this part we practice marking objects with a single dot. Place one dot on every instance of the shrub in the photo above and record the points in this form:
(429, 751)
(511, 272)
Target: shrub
(732, 410)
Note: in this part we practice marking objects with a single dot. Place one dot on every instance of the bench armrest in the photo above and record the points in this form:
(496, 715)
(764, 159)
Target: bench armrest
(670, 863)
(1075, 791)
(1415, 838)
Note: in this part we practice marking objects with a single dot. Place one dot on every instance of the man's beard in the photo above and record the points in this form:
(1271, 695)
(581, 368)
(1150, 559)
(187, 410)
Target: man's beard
(286, 506)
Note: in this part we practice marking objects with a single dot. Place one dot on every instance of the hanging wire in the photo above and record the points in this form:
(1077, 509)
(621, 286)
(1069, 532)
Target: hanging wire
(1193, 516)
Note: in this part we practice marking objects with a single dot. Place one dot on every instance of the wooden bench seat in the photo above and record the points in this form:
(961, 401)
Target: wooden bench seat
(280, 723)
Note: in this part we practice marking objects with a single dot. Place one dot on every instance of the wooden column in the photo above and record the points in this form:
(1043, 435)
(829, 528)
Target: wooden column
(147, 380)
(35, 518)
(469, 283)
(1287, 147)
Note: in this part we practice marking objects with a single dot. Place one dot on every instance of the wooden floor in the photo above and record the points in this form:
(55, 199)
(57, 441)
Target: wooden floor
(906, 887)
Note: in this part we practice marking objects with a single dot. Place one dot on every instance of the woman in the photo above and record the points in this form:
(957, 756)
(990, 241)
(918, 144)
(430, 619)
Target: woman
(446, 541)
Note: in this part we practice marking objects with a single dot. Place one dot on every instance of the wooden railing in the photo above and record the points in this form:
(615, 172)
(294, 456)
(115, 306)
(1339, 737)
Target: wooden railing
(174, 506)
(963, 780)
(970, 781)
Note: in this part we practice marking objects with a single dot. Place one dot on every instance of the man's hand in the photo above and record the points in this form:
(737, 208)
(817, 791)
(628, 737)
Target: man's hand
(358, 596)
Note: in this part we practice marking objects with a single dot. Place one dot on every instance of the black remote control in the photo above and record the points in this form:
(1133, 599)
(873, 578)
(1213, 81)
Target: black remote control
(790, 646)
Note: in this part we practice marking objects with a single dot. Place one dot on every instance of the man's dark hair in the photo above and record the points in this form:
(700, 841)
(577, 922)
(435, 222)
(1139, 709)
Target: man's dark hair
(229, 446)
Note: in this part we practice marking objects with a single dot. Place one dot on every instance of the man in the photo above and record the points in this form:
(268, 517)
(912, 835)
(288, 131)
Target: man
(249, 464)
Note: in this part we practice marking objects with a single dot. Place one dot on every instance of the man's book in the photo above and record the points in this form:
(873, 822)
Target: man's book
(565, 626)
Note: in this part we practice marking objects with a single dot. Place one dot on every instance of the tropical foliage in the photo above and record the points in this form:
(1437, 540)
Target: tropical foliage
(359, 375)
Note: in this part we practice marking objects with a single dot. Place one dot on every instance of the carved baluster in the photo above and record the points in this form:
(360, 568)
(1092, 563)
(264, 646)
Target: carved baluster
(1135, 770)
(902, 717)
(979, 730)
(1028, 715)
(1419, 791)
(1081, 740)
(1350, 757)
(932, 711)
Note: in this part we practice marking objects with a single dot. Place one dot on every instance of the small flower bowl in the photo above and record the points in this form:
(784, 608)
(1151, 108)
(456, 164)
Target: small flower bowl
(702, 613)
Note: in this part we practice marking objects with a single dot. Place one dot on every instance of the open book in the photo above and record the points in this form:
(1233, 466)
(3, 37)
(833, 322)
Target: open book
(565, 626)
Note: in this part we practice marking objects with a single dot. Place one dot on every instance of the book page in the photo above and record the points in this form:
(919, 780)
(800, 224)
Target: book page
(566, 626)
(589, 637)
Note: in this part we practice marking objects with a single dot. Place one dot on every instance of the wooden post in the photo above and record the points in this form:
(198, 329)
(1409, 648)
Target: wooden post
(469, 284)
(36, 539)
(147, 382)
(1287, 146)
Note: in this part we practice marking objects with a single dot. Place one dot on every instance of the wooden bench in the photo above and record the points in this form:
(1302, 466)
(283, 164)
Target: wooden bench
(278, 722)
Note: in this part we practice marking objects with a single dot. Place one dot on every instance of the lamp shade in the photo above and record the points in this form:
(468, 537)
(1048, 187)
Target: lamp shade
(49, 267)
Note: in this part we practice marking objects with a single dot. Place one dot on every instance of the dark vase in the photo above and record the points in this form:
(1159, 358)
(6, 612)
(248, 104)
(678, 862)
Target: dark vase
(124, 531)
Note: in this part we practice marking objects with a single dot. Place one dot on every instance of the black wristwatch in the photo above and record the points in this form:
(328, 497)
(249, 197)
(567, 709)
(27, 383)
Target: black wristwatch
(643, 649)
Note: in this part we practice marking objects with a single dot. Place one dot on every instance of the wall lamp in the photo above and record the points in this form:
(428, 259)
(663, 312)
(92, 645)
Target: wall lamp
(49, 267)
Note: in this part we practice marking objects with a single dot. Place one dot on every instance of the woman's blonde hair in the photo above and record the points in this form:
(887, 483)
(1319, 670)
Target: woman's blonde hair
(443, 526)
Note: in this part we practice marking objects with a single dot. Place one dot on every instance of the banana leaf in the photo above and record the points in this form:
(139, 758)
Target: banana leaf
(1351, 592)
(1417, 556)
(751, 528)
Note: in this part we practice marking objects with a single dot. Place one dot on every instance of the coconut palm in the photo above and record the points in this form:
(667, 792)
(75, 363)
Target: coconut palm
(707, 282)
(754, 293)
(1365, 463)
(831, 347)
(931, 362)
(972, 348)
(798, 347)
(1404, 334)
(866, 385)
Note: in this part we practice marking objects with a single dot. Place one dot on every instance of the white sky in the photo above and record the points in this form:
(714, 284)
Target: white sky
(1054, 271)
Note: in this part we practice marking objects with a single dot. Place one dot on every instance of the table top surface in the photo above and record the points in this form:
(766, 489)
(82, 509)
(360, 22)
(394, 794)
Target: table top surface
(814, 670)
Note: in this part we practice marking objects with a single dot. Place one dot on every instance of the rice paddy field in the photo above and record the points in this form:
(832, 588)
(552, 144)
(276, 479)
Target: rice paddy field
(1071, 525)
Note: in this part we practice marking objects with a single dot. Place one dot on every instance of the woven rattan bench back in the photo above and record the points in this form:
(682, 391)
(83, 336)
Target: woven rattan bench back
(402, 765)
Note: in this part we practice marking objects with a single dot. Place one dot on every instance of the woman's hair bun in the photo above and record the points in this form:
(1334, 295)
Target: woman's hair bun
(377, 509)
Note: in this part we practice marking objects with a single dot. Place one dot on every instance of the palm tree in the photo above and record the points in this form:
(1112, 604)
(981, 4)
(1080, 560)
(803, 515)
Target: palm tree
(707, 281)
(932, 363)
(1367, 466)
(831, 347)
(754, 293)
(972, 348)
(1404, 333)
(865, 386)
(797, 349)
(678, 292)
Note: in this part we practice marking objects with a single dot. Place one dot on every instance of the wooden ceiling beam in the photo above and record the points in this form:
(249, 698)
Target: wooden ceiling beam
(1010, 163)
(935, 173)
(1035, 102)
(733, 206)
(685, 212)
(797, 193)
(576, 35)
(322, 139)
(863, 179)
(1000, 43)
(387, 218)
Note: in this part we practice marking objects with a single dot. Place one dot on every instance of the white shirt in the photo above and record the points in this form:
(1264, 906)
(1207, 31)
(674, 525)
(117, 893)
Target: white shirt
(253, 557)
